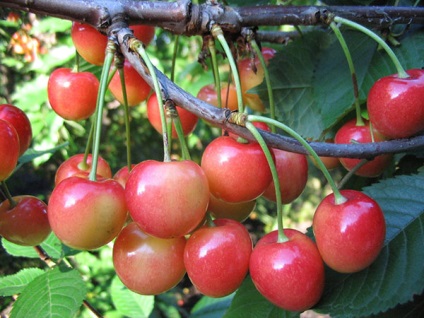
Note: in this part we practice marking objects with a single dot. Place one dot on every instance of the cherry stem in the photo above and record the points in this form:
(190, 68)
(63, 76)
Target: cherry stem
(126, 116)
(267, 80)
(339, 198)
(281, 236)
(174, 57)
(212, 50)
(110, 50)
(172, 114)
(6, 192)
(218, 34)
(352, 172)
(83, 165)
(209, 220)
(400, 70)
(343, 44)
(138, 46)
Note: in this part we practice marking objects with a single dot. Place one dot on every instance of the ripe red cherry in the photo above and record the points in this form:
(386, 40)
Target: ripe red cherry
(136, 87)
(122, 175)
(350, 235)
(290, 274)
(396, 105)
(145, 33)
(292, 169)
(9, 149)
(217, 257)
(87, 214)
(74, 166)
(26, 223)
(351, 132)
(89, 43)
(72, 96)
(228, 96)
(20, 122)
(236, 172)
(167, 199)
(148, 265)
(238, 211)
(188, 120)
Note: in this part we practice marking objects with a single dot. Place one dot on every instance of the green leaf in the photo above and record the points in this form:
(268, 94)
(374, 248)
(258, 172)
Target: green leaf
(31, 154)
(398, 273)
(249, 303)
(208, 307)
(14, 284)
(56, 293)
(128, 303)
(52, 246)
(306, 94)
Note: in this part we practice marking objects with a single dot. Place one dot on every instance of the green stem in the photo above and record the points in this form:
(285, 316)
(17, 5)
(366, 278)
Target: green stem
(7, 194)
(217, 33)
(174, 57)
(339, 35)
(214, 60)
(352, 172)
(339, 198)
(281, 236)
(209, 220)
(267, 80)
(99, 108)
(83, 164)
(400, 70)
(181, 139)
(137, 46)
(126, 116)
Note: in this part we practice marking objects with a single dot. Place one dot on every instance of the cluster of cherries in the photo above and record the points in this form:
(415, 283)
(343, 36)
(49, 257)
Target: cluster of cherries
(176, 217)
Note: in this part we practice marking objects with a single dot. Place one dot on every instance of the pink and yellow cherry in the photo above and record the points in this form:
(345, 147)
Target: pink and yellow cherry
(9, 149)
(221, 209)
(167, 199)
(148, 265)
(26, 223)
(228, 96)
(188, 120)
(362, 134)
(89, 42)
(237, 172)
(396, 105)
(292, 170)
(288, 274)
(136, 87)
(350, 235)
(217, 257)
(20, 122)
(87, 214)
(145, 33)
(72, 95)
(74, 166)
(122, 175)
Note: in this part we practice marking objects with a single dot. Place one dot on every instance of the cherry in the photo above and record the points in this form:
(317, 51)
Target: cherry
(351, 132)
(236, 172)
(188, 119)
(238, 211)
(167, 199)
(72, 96)
(228, 96)
(146, 264)
(122, 175)
(350, 235)
(89, 42)
(26, 223)
(292, 169)
(74, 166)
(20, 122)
(289, 274)
(9, 149)
(136, 87)
(217, 257)
(396, 105)
(87, 214)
